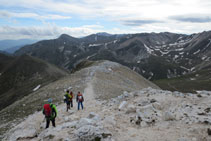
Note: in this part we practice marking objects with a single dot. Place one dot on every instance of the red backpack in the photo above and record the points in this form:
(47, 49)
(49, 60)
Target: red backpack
(48, 110)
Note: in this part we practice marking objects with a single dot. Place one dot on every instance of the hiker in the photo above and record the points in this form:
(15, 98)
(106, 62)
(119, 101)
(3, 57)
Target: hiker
(50, 112)
(71, 99)
(80, 100)
(68, 99)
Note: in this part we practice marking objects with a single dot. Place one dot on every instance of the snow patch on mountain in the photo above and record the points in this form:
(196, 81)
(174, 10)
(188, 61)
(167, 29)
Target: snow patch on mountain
(36, 88)
(197, 52)
(180, 49)
(61, 48)
(175, 57)
(192, 69)
(149, 50)
(204, 57)
(115, 41)
(94, 45)
(90, 56)
(164, 53)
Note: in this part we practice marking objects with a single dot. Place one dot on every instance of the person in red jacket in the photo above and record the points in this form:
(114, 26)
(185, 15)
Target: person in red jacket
(80, 100)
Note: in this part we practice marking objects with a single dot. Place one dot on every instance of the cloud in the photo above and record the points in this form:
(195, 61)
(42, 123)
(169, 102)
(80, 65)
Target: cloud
(7, 14)
(99, 8)
(46, 31)
(139, 22)
(117, 16)
(192, 18)
(113, 9)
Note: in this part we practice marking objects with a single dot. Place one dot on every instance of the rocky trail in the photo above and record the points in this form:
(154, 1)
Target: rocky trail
(147, 114)
(144, 115)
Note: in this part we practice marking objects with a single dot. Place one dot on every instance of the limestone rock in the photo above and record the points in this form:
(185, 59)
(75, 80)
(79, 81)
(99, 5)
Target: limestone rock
(89, 132)
(168, 116)
(84, 121)
(157, 106)
(131, 109)
(94, 116)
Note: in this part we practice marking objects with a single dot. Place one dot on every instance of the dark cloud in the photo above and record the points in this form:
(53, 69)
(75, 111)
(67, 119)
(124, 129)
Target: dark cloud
(192, 18)
(139, 22)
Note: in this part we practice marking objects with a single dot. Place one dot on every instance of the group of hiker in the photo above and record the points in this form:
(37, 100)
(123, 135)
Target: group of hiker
(50, 111)
(68, 99)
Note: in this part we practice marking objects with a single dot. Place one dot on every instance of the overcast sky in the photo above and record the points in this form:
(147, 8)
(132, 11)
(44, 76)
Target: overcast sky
(44, 19)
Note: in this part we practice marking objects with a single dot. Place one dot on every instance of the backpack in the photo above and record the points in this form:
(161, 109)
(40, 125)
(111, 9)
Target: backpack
(80, 97)
(47, 110)
(68, 97)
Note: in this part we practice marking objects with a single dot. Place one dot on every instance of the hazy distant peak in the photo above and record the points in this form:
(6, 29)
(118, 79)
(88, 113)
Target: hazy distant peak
(65, 36)
(103, 34)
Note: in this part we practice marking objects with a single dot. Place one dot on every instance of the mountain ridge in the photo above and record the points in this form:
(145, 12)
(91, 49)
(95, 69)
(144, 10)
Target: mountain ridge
(176, 54)
(20, 75)
(102, 74)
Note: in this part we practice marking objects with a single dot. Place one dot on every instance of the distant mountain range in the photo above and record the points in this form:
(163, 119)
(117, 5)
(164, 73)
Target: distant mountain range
(175, 62)
(10, 46)
(183, 53)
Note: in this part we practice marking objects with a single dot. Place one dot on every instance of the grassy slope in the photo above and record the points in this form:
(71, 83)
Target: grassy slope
(22, 75)
(200, 80)
(33, 102)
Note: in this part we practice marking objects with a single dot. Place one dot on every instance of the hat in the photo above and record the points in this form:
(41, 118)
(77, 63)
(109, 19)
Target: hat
(49, 100)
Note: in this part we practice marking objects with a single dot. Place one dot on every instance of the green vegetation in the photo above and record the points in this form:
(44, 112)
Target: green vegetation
(21, 75)
(200, 80)
(83, 64)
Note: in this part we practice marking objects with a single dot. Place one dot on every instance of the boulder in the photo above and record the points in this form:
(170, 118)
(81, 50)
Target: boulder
(94, 117)
(147, 113)
(143, 103)
(147, 109)
(153, 100)
(66, 125)
(89, 132)
(130, 109)
(168, 116)
(29, 132)
(157, 106)
(84, 121)
(125, 94)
